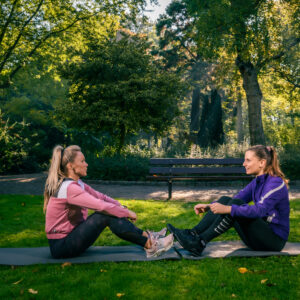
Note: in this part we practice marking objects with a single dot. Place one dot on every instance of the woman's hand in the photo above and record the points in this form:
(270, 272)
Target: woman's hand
(218, 208)
(132, 216)
(201, 208)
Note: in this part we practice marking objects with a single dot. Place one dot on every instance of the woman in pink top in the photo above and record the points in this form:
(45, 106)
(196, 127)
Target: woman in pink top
(70, 231)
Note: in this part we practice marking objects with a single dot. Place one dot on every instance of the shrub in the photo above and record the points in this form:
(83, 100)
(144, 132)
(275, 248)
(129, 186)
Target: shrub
(118, 167)
(290, 161)
(13, 145)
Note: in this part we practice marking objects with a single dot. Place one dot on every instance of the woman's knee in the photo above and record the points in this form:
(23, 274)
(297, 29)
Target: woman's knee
(229, 201)
(98, 219)
(236, 201)
(224, 200)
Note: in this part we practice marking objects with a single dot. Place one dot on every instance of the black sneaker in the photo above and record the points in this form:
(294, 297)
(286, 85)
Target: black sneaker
(188, 239)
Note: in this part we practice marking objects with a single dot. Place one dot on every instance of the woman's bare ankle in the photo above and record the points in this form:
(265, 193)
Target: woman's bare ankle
(148, 244)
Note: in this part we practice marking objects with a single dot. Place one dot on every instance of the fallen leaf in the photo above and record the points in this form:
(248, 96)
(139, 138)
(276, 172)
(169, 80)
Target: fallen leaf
(17, 282)
(120, 295)
(103, 270)
(263, 281)
(243, 270)
(233, 295)
(32, 291)
(66, 264)
(23, 203)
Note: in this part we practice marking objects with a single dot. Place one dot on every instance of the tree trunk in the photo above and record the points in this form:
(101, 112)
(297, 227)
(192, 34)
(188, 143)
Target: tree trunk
(211, 132)
(239, 121)
(195, 115)
(254, 96)
(121, 138)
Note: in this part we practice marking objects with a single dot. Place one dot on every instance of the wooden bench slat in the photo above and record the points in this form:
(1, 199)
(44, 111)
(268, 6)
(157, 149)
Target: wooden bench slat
(196, 161)
(196, 170)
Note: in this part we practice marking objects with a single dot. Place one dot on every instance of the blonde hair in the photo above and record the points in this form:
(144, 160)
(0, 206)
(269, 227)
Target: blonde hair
(58, 169)
(272, 162)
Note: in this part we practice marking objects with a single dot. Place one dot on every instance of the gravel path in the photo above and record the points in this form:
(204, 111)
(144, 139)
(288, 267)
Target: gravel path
(33, 184)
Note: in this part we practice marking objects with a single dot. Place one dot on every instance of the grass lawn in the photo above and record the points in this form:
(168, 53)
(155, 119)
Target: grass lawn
(22, 225)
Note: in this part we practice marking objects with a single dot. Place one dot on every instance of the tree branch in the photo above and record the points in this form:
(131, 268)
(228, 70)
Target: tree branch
(41, 41)
(11, 48)
(7, 21)
(293, 43)
(287, 78)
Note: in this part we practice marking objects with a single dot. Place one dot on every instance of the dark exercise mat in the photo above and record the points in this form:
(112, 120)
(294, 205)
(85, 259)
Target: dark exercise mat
(235, 248)
(41, 255)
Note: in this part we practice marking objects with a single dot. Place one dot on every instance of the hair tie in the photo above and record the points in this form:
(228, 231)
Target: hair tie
(269, 148)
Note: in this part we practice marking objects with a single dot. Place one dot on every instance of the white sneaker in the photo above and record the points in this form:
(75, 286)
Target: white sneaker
(157, 235)
(159, 246)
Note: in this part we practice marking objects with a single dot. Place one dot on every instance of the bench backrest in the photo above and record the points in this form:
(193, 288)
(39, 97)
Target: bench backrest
(169, 166)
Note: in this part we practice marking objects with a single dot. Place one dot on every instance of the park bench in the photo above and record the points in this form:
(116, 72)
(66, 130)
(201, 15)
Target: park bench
(204, 169)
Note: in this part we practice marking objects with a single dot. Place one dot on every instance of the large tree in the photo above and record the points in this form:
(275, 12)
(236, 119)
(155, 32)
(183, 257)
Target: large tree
(117, 88)
(28, 26)
(256, 33)
(178, 49)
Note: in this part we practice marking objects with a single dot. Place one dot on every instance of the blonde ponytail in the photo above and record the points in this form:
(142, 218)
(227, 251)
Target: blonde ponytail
(57, 171)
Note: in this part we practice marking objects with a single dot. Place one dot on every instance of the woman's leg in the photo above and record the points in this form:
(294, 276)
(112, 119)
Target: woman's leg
(211, 218)
(85, 234)
(257, 234)
(217, 224)
(126, 230)
(208, 228)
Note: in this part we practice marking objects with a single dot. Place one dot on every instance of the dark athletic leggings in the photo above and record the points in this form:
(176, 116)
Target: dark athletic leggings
(255, 233)
(86, 233)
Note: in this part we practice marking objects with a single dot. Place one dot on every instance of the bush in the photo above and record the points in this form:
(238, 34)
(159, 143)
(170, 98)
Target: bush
(133, 163)
(13, 145)
(290, 161)
(118, 167)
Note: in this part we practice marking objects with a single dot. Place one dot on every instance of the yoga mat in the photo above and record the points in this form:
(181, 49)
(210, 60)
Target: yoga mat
(235, 248)
(41, 255)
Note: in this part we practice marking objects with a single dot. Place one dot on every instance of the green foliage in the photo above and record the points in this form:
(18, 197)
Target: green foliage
(289, 161)
(32, 26)
(14, 145)
(256, 36)
(118, 167)
(117, 89)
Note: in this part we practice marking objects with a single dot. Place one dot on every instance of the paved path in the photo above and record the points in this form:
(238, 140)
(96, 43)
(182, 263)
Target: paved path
(33, 184)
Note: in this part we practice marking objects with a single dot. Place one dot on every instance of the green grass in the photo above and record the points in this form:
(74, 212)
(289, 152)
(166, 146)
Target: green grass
(22, 225)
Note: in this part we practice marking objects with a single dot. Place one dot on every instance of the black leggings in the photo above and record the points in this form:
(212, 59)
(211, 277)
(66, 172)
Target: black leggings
(255, 233)
(86, 233)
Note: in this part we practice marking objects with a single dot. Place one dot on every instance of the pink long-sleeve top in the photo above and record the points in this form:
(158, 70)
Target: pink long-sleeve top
(69, 207)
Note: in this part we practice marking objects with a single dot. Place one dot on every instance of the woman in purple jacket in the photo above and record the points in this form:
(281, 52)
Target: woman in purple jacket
(70, 231)
(263, 226)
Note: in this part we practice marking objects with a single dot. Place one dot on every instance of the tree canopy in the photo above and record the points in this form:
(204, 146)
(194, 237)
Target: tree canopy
(116, 88)
(30, 26)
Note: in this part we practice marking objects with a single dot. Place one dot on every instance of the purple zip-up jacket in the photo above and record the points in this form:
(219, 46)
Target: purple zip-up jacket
(271, 202)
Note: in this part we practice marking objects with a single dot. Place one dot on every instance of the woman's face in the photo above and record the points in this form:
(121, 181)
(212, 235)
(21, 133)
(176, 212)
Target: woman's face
(79, 165)
(254, 165)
